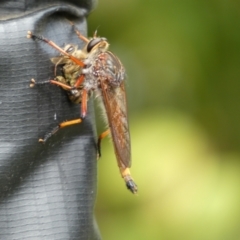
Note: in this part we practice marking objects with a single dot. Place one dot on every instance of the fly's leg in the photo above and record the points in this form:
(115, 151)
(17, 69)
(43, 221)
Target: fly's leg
(84, 92)
(79, 81)
(78, 33)
(66, 87)
(84, 103)
(103, 135)
(54, 45)
(61, 125)
(67, 123)
(34, 83)
(77, 61)
(63, 85)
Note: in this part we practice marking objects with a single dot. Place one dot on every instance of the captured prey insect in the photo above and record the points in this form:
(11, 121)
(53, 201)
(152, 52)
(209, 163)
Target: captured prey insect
(95, 69)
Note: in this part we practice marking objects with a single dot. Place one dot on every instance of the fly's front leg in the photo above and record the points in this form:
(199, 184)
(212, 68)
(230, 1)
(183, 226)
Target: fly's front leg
(54, 45)
(61, 125)
(34, 83)
(55, 82)
(61, 82)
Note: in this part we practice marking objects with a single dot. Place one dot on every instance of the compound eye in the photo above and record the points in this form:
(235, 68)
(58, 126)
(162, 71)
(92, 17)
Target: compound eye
(93, 43)
(70, 49)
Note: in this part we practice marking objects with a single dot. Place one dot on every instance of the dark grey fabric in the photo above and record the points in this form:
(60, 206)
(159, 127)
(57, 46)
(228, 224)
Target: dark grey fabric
(47, 191)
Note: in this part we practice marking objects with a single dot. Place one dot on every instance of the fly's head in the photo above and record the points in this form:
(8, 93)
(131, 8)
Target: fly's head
(97, 45)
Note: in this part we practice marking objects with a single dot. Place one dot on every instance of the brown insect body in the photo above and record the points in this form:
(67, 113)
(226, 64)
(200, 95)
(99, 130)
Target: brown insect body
(95, 69)
(106, 75)
(70, 71)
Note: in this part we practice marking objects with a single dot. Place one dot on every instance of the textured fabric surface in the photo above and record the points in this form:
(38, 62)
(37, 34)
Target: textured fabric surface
(47, 191)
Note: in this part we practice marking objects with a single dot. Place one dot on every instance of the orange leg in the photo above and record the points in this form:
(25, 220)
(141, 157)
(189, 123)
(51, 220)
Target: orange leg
(103, 135)
(84, 103)
(54, 45)
(79, 34)
(79, 81)
(64, 86)
(61, 125)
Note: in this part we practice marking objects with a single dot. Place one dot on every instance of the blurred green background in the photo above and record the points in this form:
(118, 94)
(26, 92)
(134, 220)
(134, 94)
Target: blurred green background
(183, 66)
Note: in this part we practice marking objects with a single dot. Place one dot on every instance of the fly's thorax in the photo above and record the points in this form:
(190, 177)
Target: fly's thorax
(103, 67)
(90, 82)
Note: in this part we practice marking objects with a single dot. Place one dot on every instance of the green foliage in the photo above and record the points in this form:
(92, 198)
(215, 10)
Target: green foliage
(183, 65)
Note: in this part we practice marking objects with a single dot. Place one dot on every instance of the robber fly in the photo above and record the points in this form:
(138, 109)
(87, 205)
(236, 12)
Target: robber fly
(95, 69)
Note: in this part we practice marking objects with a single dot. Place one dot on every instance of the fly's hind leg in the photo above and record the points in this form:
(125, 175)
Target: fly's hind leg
(65, 87)
(103, 135)
(61, 125)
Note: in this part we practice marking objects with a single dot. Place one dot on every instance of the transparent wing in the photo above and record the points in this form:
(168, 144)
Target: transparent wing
(114, 99)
